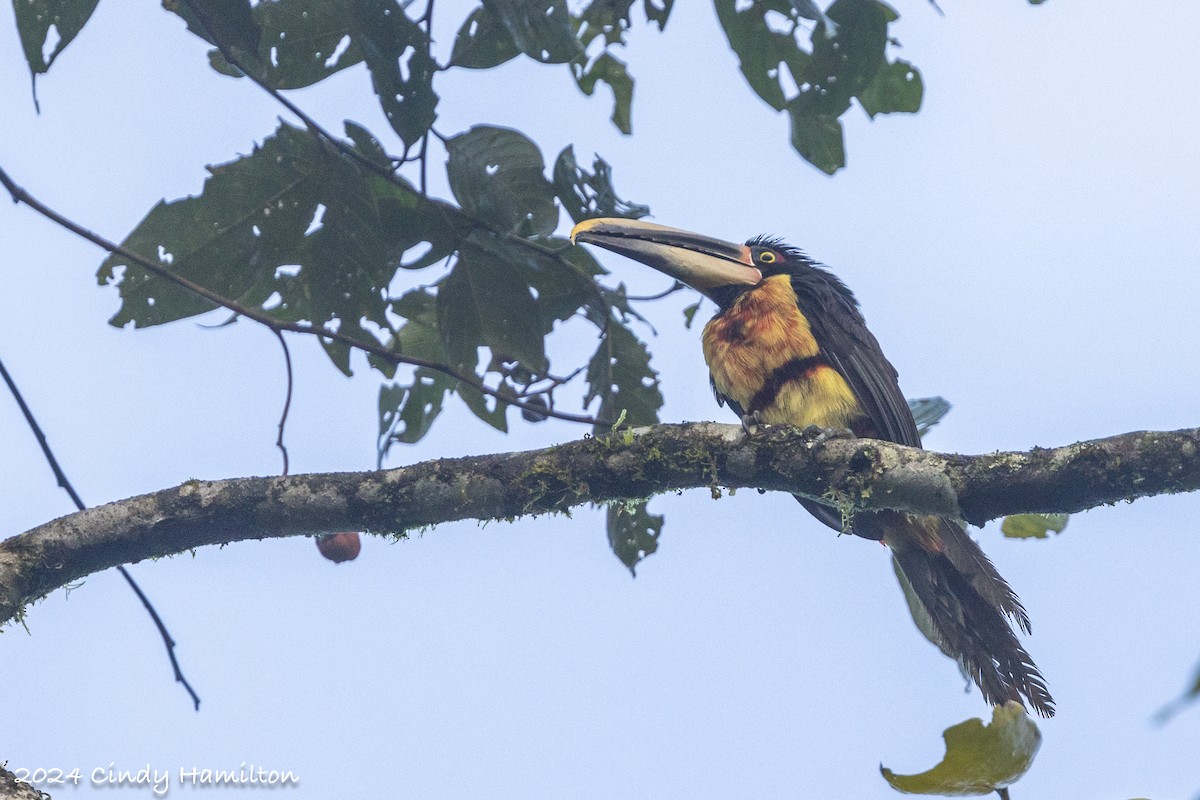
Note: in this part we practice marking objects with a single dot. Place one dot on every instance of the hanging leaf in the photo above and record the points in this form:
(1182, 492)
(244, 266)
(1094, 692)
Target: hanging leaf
(619, 374)
(817, 137)
(1033, 526)
(611, 70)
(633, 532)
(230, 22)
(761, 50)
(897, 87)
(406, 412)
(305, 41)
(585, 194)
(540, 28)
(496, 174)
(658, 12)
(486, 300)
(483, 42)
(980, 759)
(40, 21)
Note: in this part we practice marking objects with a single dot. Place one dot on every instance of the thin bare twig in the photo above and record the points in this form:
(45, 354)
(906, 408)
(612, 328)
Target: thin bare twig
(287, 401)
(675, 287)
(65, 484)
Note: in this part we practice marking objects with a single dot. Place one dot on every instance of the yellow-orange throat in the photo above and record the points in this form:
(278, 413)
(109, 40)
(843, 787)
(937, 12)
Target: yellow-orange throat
(763, 356)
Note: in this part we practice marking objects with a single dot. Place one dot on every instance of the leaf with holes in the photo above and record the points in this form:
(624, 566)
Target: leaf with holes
(42, 22)
(486, 300)
(585, 194)
(619, 374)
(540, 28)
(760, 49)
(294, 227)
(229, 22)
(306, 41)
(483, 42)
(658, 12)
(610, 70)
(407, 411)
(496, 174)
(231, 238)
(897, 87)
(303, 42)
(844, 65)
(633, 532)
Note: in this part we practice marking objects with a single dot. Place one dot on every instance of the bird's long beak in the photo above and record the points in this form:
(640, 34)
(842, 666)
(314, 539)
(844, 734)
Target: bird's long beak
(702, 262)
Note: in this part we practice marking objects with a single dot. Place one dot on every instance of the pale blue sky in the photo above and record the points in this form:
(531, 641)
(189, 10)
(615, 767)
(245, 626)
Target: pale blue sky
(1026, 246)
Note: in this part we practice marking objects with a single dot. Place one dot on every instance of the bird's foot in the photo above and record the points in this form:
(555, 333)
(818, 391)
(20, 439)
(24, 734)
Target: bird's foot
(752, 423)
(816, 436)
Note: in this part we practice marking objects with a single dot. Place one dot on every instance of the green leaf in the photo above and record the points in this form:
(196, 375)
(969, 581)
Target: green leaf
(486, 300)
(396, 50)
(927, 412)
(231, 22)
(844, 65)
(818, 138)
(980, 759)
(610, 70)
(760, 50)
(483, 42)
(619, 374)
(492, 410)
(585, 194)
(306, 41)
(419, 336)
(496, 174)
(295, 228)
(1033, 526)
(633, 532)
(540, 28)
(658, 12)
(303, 42)
(406, 412)
(230, 239)
(897, 87)
(607, 18)
(36, 19)
(564, 286)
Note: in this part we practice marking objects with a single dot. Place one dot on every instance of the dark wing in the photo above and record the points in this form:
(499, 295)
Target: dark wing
(852, 350)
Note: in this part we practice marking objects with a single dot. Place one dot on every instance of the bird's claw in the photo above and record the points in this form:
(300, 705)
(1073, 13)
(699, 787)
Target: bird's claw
(817, 436)
(752, 422)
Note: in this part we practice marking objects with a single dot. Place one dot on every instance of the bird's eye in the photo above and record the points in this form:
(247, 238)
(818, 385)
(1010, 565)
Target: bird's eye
(767, 257)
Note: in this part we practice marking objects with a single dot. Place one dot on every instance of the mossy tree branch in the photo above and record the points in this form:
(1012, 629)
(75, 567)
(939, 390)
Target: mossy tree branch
(851, 473)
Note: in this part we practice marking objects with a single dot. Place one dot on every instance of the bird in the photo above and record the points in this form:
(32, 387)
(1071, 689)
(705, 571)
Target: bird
(788, 345)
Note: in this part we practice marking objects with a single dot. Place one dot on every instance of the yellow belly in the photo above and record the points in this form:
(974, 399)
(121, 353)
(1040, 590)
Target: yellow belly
(762, 332)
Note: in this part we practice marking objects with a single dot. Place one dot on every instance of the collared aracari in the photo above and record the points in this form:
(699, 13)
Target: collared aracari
(788, 345)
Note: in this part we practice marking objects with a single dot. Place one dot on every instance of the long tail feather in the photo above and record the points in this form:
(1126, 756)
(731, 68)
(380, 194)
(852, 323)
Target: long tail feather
(966, 609)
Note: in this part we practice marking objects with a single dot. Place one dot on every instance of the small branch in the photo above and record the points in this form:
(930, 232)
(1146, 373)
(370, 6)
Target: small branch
(862, 474)
(65, 484)
(19, 195)
(287, 400)
(675, 287)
